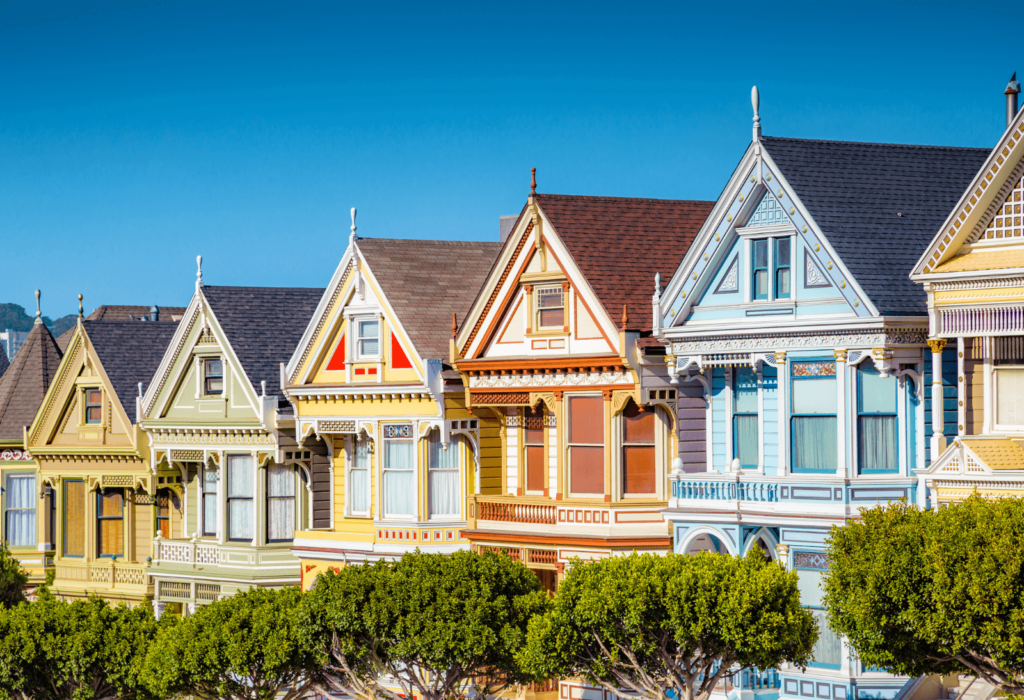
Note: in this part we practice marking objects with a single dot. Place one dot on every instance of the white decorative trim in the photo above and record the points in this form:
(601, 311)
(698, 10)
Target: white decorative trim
(959, 285)
(887, 337)
(544, 380)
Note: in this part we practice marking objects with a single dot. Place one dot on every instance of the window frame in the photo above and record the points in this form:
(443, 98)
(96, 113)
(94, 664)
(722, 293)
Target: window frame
(455, 443)
(354, 445)
(998, 426)
(525, 445)
(64, 517)
(168, 494)
(385, 469)
(754, 269)
(792, 414)
(358, 338)
(778, 266)
(215, 495)
(207, 376)
(656, 446)
(569, 445)
(756, 413)
(101, 518)
(18, 474)
(860, 413)
(228, 498)
(294, 498)
(87, 405)
(547, 290)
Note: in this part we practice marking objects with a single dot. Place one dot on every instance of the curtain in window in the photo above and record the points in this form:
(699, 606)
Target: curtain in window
(814, 443)
(241, 485)
(110, 506)
(74, 518)
(210, 526)
(399, 477)
(443, 476)
(745, 439)
(359, 479)
(1010, 396)
(828, 650)
(20, 524)
(280, 502)
(877, 443)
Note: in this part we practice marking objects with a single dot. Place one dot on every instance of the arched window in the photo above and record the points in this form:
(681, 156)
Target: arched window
(443, 470)
(533, 449)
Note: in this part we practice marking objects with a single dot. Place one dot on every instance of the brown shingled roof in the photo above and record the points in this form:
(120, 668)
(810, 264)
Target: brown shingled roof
(169, 314)
(24, 384)
(426, 281)
(619, 243)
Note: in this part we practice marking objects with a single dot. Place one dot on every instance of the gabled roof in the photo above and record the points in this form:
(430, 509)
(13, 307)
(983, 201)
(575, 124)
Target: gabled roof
(130, 352)
(25, 382)
(856, 192)
(619, 243)
(426, 281)
(263, 326)
(167, 314)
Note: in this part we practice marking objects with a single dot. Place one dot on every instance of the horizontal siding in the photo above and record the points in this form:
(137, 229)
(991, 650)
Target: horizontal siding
(692, 416)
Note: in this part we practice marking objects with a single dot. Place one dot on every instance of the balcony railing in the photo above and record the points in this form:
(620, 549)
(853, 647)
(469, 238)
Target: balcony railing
(510, 512)
(185, 552)
(721, 490)
(104, 573)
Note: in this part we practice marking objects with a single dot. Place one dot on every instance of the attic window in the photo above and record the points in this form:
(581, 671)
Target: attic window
(367, 338)
(93, 405)
(550, 307)
(213, 377)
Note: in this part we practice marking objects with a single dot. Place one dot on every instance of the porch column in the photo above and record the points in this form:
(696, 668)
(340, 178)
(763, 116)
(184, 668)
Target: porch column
(560, 442)
(222, 499)
(841, 417)
(937, 345)
(257, 500)
(782, 372)
(607, 394)
(961, 389)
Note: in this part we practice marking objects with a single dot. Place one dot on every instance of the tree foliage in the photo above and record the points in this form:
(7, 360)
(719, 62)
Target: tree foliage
(671, 626)
(246, 646)
(938, 591)
(432, 624)
(85, 650)
(13, 579)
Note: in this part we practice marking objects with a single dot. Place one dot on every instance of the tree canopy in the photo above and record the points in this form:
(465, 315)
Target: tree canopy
(85, 650)
(434, 625)
(670, 626)
(937, 591)
(13, 579)
(246, 647)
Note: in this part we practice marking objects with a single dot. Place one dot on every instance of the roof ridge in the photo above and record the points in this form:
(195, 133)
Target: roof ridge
(435, 241)
(601, 198)
(876, 143)
(276, 289)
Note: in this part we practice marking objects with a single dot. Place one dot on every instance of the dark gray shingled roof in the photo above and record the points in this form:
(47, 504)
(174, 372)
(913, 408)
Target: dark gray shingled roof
(263, 326)
(854, 191)
(426, 281)
(130, 352)
(25, 382)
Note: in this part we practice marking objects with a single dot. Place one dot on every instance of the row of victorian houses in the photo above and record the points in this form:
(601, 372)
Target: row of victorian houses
(842, 327)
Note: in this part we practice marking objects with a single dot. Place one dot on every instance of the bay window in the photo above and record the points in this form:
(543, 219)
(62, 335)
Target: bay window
(399, 472)
(876, 421)
(74, 518)
(639, 452)
(745, 435)
(241, 486)
(586, 445)
(814, 420)
(280, 503)
(210, 479)
(443, 468)
(20, 510)
(110, 525)
(533, 449)
(358, 489)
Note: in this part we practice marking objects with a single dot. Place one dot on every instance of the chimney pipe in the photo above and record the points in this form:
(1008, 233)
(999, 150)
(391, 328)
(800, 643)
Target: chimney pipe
(1011, 92)
(154, 313)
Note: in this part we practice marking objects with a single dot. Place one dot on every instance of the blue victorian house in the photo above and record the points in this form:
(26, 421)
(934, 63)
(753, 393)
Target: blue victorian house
(794, 316)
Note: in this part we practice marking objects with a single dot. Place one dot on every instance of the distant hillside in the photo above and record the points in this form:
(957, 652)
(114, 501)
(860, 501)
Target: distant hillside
(13, 317)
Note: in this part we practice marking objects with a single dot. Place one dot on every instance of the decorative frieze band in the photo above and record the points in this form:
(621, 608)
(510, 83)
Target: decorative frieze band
(497, 381)
(786, 341)
(15, 456)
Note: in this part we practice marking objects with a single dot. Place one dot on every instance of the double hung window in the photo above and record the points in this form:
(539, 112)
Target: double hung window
(399, 472)
(443, 476)
(280, 503)
(1009, 397)
(359, 479)
(367, 338)
(771, 274)
(586, 445)
(745, 435)
(781, 263)
(20, 510)
(533, 448)
(93, 406)
(814, 421)
(74, 518)
(163, 512)
(213, 377)
(550, 307)
(241, 491)
(210, 479)
(110, 514)
(639, 463)
(876, 421)
(759, 251)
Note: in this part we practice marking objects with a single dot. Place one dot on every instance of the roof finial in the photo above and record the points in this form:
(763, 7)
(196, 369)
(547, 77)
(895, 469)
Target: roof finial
(755, 99)
(199, 272)
(533, 181)
(352, 236)
(657, 283)
(625, 317)
(455, 325)
(39, 312)
(81, 311)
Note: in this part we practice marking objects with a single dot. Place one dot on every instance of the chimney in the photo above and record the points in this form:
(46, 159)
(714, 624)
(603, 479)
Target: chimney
(506, 224)
(1011, 92)
(154, 313)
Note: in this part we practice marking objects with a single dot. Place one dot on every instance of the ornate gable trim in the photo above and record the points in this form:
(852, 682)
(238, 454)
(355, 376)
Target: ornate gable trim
(730, 283)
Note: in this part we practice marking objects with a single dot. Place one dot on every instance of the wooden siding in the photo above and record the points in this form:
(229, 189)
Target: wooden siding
(692, 425)
(974, 369)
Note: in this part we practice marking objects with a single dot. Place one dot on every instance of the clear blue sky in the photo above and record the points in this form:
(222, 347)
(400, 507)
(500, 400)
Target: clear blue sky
(135, 135)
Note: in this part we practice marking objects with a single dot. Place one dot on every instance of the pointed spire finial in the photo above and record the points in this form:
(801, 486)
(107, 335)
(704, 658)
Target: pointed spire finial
(81, 311)
(657, 283)
(352, 236)
(199, 271)
(533, 181)
(625, 317)
(455, 325)
(755, 100)
(39, 312)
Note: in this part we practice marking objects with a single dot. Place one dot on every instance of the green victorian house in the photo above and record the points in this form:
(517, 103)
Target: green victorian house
(232, 485)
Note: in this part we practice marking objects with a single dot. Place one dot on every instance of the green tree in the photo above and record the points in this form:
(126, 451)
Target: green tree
(436, 626)
(13, 579)
(937, 591)
(245, 646)
(671, 626)
(85, 650)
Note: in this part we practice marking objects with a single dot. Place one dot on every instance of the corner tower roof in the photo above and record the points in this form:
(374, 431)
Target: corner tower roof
(25, 382)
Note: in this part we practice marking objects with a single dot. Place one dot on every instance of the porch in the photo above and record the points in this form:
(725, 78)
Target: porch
(111, 579)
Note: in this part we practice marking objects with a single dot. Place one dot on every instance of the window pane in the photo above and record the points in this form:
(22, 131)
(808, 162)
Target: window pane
(240, 476)
(74, 518)
(586, 469)
(111, 504)
(638, 470)
(637, 426)
(550, 318)
(369, 348)
(814, 444)
(761, 283)
(827, 650)
(20, 520)
(214, 368)
(782, 283)
(111, 534)
(745, 439)
(781, 252)
(586, 420)
(1010, 396)
(368, 329)
(399, 478)
(94, 414)
(280, 480)
(876, 438)
(760, 253)
(444, 492)
(240, 526)
(745, 399)
(93, 396)
(549, 298)
(534, 431)
(875, 394)
(363, 454)
(815, 396)
(358, 488)
(535, 468)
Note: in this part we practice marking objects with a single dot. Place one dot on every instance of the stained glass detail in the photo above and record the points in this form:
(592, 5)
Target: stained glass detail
(826, 368)
(812, 275)
(811, 560)
(768, 212)
(731, 281)
(397, 431)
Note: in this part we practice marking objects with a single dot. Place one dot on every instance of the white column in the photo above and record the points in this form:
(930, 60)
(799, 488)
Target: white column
(903, 423)
(729, 408)
(961, 389)
(258, 501)
(760, 416)
(512, 453)
(938, 441)
(987, 403)
(222, 499)
(783, 378)
(841, 412)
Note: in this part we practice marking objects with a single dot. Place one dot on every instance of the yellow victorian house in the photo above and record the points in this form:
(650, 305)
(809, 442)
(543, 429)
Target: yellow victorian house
(95, 458)
(973, 274)
(370, 380)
